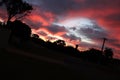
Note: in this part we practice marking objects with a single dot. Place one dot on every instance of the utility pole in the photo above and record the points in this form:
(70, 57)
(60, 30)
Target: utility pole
(76, 46)
(104, 39)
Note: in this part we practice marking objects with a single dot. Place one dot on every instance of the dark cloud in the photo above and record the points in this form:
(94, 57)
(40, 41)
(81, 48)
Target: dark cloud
(71, 37)
(54, 29)
(73, 28)
(93, 32)
(101, 4)
(114, 42)
(113, 17)
(62, 6)
(57, 6)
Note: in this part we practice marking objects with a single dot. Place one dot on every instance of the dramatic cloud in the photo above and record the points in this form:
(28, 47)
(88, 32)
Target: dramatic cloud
(55, 29)
(83, 22)
(71, 37)
(93, 32)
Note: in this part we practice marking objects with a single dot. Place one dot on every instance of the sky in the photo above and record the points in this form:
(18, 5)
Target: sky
(83, 22)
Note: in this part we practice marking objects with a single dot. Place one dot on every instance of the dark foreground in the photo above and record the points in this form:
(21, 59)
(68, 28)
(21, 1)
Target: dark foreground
(21, 67)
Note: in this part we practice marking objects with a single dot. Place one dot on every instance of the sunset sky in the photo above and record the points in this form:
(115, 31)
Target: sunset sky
(83, 22)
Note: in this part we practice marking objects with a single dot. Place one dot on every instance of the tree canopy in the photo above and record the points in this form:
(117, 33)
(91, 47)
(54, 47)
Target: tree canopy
(22, 30)
(16, 7)
(108, 52)
(35, 36)
(60, 42)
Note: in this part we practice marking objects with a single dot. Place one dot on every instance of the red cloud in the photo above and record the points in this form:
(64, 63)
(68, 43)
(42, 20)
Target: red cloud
(38, 18)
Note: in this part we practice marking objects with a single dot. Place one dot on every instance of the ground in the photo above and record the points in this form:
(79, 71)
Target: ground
(22, 65)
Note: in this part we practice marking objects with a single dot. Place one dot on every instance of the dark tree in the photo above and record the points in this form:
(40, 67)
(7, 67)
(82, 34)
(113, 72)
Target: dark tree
(108, 52)
(93, 55)
(60, 42)
(16, 7)
(20, 30)
(35, 36)
(0, 24)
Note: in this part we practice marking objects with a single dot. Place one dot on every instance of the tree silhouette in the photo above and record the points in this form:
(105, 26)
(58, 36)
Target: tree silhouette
(108, 52)
(15, 7)
(0, 24)
(93, 55)
(35, 36)
(20, 30)
(60, 42)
